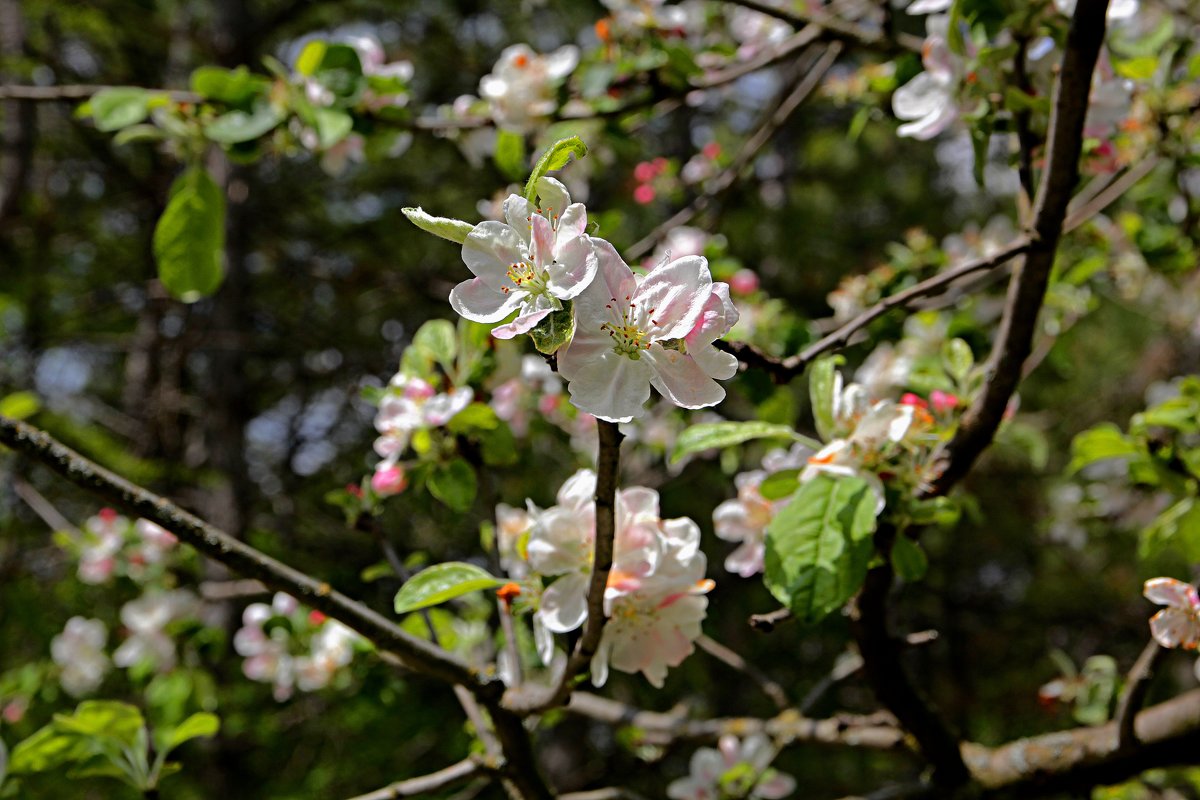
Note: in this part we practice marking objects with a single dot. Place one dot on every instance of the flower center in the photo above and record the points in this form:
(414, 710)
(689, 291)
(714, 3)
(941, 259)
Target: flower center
(526, 278)
(629, 339)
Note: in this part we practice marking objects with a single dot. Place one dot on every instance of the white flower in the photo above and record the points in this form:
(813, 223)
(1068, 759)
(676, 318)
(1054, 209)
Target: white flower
(103, 538)
(146, 618)
(711, 774)
(654, 619)
(1177, 625)
(409, 405)
(928, 100)
(631, 334)
(529, 265)
(1118, 10)
(521, 86)
(79, 651)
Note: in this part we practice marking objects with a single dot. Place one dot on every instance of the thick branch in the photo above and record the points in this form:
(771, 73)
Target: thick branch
(527, 699)
(884, 671)
(415, 653)
(1028, 288)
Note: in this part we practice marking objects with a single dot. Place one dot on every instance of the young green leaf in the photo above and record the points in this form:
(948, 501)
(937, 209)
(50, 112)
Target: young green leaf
(819, 546)
(453, 484)
(119, 107)
(821, 380)
(198, 725)
(555, 157)
(233, 87)
(442, 582)
(779, 485)
(1100, 443)
(709, 435)
(439, 340)
(189, 239)
(510, 154)
(908, 559)
(555, 330)
(19, 405)
(453, 229)
(240, 126)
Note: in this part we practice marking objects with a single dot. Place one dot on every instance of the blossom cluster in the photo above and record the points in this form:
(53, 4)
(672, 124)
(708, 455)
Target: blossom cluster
(734, 769)
(629, 332)
(654, 598)
(111, 544)
(292, 648)
(410, 404)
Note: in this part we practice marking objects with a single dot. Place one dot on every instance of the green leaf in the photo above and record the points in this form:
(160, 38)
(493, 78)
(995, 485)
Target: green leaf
(377, 571)
(475, 417)
(139, 133)
(954, 34)
(958, 359)
(1098, 444)
(110, 718)
(779, 485)
(709, 435)
(510, 154)
(19, 405)
(196, 726)
(235, 87)
(908, 559)
(439, 340)
(241, 126)
(1178, 526)
(442, 582)
(555, 157)
(454, 484)
(821, 380)
(310, 58)
(555, 329)
(189, 239)
(819, 546)
(119, 107)
(332, 126)
(453, 229)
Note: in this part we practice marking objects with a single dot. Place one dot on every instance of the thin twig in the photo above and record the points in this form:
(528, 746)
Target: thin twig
(609, 793)
(74, 92)
(434, 781)
(724, 654)
(43, 508)
(746, 155)
(1137, 683)
(846, 31)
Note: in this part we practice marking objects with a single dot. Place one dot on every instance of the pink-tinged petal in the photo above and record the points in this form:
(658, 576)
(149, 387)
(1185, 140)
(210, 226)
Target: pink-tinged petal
(707, 765)
(923, 95)
(1170, 592)
(541, 247)
(609, 386)
(775, 786)
(517, 211)
(574, 270)
(564, 603)
(522, 324)
(716, 319)
(716, 363)
(490, 250)
(671, 298)
(587, 345)
(1173, 627)
(679, 379)
(747, 560)
(553, 197)
(479, 302)
(600, 662)
(578, 491)
(572, 223)
(614, 278)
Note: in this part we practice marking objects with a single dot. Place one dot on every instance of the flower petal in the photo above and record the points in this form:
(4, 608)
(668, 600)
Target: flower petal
(553, 197)
(1173, 627)
(1170, 592)
(564, 603)
(679, 378)
(478, 301)
(490, 249)
(573, 270)
(609, 386)
(671, 298)
(522, 324)
(517, 211)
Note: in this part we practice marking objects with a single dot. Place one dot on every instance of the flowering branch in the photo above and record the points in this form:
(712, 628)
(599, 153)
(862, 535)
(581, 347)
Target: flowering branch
(837, 27)
(523, 700)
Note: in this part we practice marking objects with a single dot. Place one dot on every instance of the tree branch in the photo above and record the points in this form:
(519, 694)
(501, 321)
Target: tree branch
(846, 31)
(526, 699)
(1028, 288)
(1136, 685)
(79, 91)
(416, 654)
(734, 660)
(434, 781)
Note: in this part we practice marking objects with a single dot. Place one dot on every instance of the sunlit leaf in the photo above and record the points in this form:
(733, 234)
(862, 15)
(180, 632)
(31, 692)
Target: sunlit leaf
(189, 239)
(442, 582)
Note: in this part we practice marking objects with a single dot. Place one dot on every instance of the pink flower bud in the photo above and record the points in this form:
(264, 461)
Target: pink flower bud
(743, 282)
(389, 481)
(660, 165)
(910, 399)
(107, 514)
(316, 617)
(711, 151)
(644, 194)
(644, 172)
(942, 401)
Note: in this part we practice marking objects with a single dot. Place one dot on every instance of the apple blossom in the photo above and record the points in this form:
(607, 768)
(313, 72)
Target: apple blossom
(103, 538)
(411, 404)
(734, 769)
(631, 334)
(654, 617)
(146, 618)
(928, 100)
(745, 518)
(79, 651)
(520, 88)
(389, 481)
(1177, 625)
(540, 258)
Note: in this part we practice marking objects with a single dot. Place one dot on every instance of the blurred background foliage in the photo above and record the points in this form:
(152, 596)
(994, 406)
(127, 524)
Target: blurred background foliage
(247, 406)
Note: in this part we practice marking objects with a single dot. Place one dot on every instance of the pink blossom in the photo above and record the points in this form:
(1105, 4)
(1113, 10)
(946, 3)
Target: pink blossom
(389, 481)
(744, 282)
(644, 194)
(942, 401)
(1177, 625)
(644, 172)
